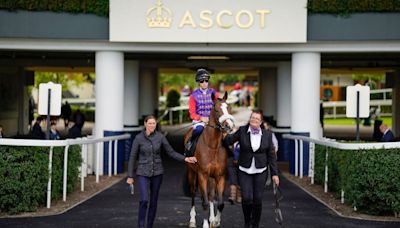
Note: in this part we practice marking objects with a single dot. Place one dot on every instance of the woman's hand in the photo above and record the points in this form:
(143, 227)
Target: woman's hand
(130, 180)
(191, 160)
(275, 179)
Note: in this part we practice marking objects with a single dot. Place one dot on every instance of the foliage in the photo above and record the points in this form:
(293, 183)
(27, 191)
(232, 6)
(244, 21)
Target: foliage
(369, 178)
(63, 78)
(346, 7)
(98, 7)
(173, 98)
(24, 176)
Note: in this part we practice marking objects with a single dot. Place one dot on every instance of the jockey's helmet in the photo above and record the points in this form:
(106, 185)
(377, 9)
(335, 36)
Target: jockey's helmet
(202, 74)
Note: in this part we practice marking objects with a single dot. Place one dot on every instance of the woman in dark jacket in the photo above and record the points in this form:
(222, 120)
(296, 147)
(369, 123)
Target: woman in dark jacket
(146, 150)
(255, 155)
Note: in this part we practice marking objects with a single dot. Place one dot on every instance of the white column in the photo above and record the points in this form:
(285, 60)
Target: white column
(147, 90)
(283, 103)
(131, 93)
(267, 92)
(305, 93)
(109, 95)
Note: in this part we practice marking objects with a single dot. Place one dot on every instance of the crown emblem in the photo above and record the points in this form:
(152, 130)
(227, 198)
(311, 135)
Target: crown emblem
(159, 16)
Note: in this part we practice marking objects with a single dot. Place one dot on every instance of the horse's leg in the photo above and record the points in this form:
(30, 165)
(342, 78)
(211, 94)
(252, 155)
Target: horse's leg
(191, 174)
(211, 196)
(202, 180)
(220, 182)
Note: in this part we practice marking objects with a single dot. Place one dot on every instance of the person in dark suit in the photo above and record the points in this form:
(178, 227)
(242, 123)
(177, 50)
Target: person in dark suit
(37, 132)
(387, 133)
(256, 153)
(74, 131)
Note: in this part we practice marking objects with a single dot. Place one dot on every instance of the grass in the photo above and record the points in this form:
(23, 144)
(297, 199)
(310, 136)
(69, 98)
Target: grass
(350, 121)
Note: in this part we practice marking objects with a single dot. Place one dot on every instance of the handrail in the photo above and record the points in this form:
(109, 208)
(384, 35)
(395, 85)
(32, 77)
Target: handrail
(55, 143)
(68, 142)
(344, 146)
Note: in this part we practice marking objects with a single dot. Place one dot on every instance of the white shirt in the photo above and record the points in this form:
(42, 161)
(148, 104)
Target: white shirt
(255, 140)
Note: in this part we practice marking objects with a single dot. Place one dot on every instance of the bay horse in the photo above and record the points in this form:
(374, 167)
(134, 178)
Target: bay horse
(210, 169)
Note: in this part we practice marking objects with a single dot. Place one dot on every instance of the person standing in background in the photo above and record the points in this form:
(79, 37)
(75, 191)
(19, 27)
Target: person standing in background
(1, 132)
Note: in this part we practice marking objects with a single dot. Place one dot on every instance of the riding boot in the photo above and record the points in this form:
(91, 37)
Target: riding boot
(238, 195)
(232, 195)
(188, 147)
(247, 210)
(256, 215)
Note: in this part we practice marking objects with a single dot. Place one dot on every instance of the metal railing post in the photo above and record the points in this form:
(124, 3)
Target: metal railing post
(65, 173)
(296, 158)
(301, 158)
(326, 170)
(49, 182)
(115, 156)
(109, 157)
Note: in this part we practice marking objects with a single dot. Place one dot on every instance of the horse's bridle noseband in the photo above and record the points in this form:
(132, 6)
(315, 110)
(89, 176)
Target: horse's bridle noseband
(220, 120)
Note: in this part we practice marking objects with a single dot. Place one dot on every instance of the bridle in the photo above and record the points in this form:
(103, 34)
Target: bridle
(219, 120)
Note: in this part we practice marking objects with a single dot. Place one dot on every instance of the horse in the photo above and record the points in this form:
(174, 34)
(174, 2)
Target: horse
(210, 169)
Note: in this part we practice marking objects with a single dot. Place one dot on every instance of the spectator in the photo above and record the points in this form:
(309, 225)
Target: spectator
(79, 119)
(31, 109)
(54, 134)
(1, 132)
(74, 131)
(37, 132)
(66, 113)
(387, 133)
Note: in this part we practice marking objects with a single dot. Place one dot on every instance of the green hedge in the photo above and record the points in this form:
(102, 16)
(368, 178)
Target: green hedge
(24, 176)
(98, 7)
(101, 7)
(370, 178)
(344, 7)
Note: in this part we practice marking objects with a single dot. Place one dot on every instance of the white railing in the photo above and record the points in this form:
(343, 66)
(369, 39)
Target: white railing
(84, 142)
(342, 104)
(334, 105)
(298, 139)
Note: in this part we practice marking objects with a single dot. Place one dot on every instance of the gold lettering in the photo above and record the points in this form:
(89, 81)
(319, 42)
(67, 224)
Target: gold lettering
(187, 19)
(249, 16)
(219, 19)
(262, 17)
(205, 16)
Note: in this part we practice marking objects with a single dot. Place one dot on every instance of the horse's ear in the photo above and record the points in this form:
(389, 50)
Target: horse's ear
(225, 95)
(212, 96)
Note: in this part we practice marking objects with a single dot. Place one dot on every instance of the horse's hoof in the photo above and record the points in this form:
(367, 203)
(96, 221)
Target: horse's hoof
(192, 224)
(215, 224)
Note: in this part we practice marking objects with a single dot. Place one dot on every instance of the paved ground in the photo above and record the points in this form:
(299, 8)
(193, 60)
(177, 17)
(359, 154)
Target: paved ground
(115, 207)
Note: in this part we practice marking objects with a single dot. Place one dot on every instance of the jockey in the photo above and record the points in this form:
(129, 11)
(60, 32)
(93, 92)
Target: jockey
(200, 105)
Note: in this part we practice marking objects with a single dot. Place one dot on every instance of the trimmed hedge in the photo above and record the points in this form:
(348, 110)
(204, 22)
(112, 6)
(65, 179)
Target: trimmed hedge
(369, 178)
(345, 7)
(98, 7)
(24, 176)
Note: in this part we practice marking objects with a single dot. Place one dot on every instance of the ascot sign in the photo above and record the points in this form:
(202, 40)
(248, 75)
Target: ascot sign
(208, 21)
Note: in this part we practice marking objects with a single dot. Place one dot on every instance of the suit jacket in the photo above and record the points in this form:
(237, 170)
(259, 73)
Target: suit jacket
(388, 137)
(263, 156)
